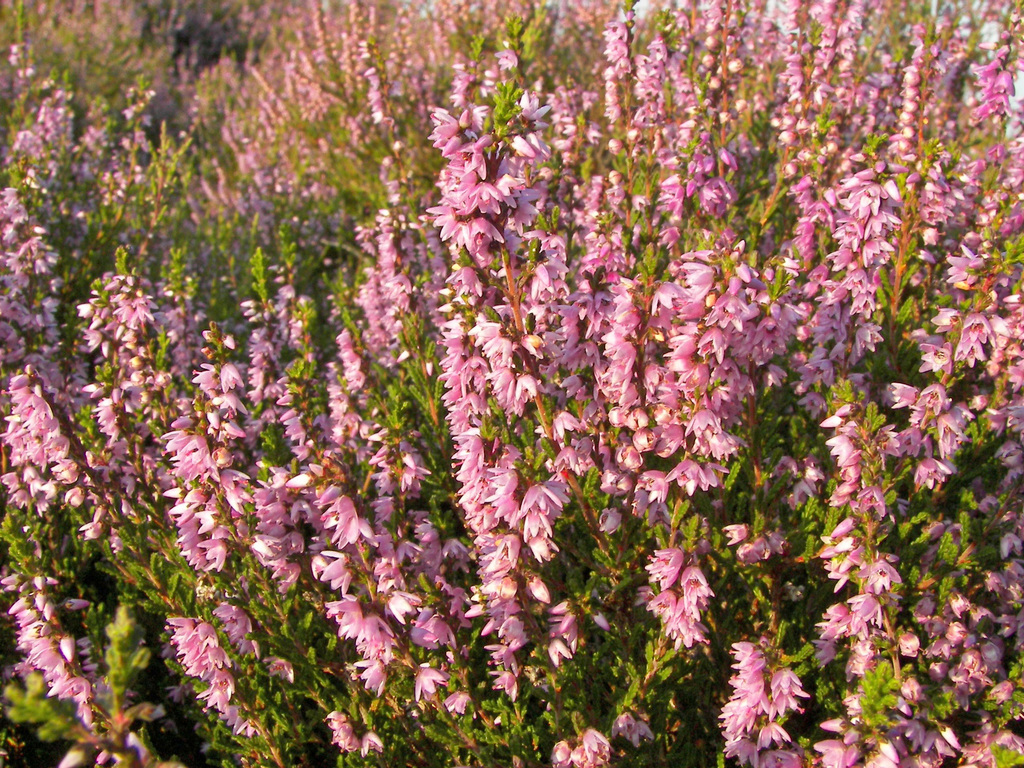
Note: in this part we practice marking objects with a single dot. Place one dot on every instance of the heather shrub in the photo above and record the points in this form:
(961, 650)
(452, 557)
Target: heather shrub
(532, 384)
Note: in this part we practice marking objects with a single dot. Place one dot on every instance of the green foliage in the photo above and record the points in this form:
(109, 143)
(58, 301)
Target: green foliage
(125, 656)
(55, 719)
(506, 105)
(879, 699)
(259, 275)
(1007, 758)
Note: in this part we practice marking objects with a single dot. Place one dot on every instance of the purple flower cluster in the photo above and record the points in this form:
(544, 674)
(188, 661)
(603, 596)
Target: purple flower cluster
(200, 654)
(761, 699)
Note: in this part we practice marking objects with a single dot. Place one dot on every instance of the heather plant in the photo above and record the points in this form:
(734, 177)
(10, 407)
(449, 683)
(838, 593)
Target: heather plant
(450, 400)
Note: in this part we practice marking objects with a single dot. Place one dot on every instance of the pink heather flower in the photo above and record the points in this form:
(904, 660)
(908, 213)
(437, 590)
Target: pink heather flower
(844, 451)
(429, 630)
(33, 431)
(280, 668)
(995, 81)
(593, 750)
(936, 358)
(237, 626)
(903, 395)
(427, 680)
(332, 568)
(457, 702)
(960, 268)
(557, 651)
(561, 755)
(374, 675)
(538, 590)
(665, 566)
(341, 518)
(507, 682)
(610, 520)
(837, 754)
(189, 451)
(975, 334)
(199, 653)
(507, 60)
(680, 607)
(736, 533)
(785, 688)
(372, 635)
(401, 604)
(632, 729)
(342, 733)
(198, 648)
(370, 742)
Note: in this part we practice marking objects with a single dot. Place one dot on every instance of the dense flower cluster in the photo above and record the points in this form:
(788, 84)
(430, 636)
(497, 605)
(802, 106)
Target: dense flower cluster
(518, 384)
